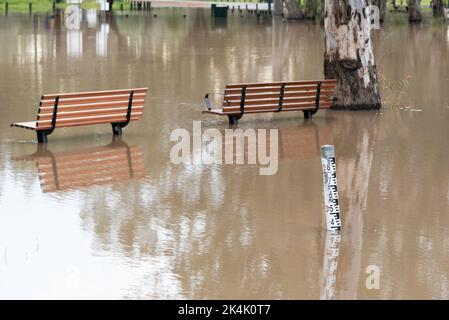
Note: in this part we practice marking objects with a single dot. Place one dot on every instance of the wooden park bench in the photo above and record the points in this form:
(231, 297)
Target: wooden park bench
(116, 162)
(248, 98)
(117, 107)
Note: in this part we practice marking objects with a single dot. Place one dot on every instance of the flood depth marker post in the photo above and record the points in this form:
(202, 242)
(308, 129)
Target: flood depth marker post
(330, 189)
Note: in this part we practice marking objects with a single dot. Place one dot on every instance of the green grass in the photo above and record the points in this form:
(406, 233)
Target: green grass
(39, 6)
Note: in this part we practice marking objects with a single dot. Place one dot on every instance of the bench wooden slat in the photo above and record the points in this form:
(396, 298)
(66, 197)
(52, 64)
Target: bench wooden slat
(94, 93)
(288, 83)
(271, 90)
(31, 125)
(274, 107)
(287, 94)
(249, 103)
(81, 103)
(87, 122)
(84, 118)
(88, 113)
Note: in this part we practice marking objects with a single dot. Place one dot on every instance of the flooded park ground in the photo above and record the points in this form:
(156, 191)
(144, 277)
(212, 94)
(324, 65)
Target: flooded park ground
(138, 226)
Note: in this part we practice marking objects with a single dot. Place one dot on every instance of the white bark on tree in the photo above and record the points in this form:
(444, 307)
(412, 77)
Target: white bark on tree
(349, 56)
(382, 5)
(278, 7)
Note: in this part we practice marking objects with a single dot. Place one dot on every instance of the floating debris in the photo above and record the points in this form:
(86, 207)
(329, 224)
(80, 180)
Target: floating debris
(409, 108)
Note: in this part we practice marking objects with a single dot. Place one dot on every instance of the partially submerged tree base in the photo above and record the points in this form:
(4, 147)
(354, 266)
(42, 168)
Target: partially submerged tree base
(352, 94)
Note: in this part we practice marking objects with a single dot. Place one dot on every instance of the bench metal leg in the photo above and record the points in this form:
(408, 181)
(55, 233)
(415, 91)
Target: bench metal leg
(117, 129)
(42, 136)
(233, 119)
(307, 114)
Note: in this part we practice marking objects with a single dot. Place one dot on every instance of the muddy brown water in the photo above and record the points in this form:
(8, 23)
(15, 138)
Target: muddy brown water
(219, 231)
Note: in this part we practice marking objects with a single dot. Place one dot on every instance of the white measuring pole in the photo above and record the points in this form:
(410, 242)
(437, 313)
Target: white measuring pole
(330, 188)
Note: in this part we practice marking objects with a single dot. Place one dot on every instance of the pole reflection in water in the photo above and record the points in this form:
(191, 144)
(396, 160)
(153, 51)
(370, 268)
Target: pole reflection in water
(116, 162)
(330, 262)
(75, 43)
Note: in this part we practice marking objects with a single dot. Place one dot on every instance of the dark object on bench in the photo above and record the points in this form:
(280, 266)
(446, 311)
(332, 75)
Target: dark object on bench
(114, 163)
(117, 107)
(306, 96)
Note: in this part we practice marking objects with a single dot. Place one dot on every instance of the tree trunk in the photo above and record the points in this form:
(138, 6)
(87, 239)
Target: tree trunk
(310, 9)
(111, 2)
(349, 56)
(438, 8)
(414, 11)
(278, 7)
(293, 9)
(382, 5)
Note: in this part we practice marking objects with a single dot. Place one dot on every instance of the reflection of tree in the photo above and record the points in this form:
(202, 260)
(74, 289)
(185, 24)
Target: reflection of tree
(354, 166)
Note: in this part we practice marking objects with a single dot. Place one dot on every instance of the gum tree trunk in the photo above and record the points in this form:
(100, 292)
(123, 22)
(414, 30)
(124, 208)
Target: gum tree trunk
(111, 2)
(382, 4)
(438, 8)
(293, 9)
(278, 7)
(414, 11)
(310, 9)
(349, 55)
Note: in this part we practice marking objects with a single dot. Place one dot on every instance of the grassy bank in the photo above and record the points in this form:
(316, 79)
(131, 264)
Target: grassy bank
(39, 6)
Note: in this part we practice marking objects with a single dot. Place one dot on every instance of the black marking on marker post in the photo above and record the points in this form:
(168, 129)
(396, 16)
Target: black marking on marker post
(331, 203)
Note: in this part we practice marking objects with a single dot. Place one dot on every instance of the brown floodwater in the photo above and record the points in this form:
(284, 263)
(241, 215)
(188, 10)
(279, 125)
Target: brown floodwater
(139, 226)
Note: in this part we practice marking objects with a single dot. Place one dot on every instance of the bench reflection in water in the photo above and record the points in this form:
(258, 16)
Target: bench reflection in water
(301, 142)
(305, 141)
(116, 162)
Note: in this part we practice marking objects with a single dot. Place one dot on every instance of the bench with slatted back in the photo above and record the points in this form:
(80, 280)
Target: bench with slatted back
(306, 96)
(116, 107)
